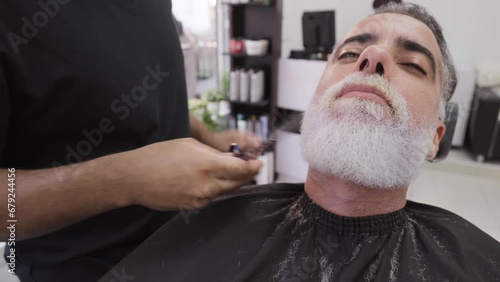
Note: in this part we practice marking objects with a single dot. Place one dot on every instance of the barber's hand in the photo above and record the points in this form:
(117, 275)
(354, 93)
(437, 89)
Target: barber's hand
(246, 140)
(180, 174)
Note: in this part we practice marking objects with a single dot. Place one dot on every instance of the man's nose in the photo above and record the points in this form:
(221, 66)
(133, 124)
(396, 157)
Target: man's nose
(373, 60)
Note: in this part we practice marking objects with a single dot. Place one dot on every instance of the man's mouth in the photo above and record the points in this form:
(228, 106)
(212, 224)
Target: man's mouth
(365, 92)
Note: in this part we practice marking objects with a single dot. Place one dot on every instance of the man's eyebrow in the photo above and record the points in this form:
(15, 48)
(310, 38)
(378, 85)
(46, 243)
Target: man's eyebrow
(413, 46)
(360, 38)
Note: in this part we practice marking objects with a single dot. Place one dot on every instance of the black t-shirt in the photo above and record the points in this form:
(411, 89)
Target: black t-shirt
(280, 234)
(80, 80)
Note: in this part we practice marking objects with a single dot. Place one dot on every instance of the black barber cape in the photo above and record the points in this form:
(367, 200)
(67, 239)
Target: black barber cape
(281, 235)
(82, 79)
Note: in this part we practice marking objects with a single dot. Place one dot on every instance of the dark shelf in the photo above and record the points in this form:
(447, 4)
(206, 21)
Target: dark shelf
(247, 56)
(255, 20)
(258, 104)
(248, 5)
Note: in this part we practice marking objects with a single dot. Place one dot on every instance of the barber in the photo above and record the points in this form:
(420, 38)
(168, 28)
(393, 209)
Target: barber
(94, 119)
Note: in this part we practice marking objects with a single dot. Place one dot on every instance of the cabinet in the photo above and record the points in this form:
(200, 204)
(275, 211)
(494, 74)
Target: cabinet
(255, 21)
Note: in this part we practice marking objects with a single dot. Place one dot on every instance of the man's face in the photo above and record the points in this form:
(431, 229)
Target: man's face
(377, 103)
(399, 44)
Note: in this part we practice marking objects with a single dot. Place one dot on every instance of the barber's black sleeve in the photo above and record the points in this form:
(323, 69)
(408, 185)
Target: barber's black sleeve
(4, 108)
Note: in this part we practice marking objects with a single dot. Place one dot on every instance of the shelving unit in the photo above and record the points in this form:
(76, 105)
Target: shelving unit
(254, 20)
(247, 56)
(264, 103)
(251, 4)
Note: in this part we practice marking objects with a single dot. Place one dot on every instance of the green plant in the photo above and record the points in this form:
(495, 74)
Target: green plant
(213, 96)
(209, 121)
(198, 108)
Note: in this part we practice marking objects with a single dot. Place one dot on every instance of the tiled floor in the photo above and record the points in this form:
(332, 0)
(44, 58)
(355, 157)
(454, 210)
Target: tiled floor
(459, 184)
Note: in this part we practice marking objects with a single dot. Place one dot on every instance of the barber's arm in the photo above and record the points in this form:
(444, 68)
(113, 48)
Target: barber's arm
(170, 175)
(221, 140)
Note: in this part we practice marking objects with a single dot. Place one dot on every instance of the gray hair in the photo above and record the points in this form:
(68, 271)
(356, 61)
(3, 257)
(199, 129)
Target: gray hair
(449, 75)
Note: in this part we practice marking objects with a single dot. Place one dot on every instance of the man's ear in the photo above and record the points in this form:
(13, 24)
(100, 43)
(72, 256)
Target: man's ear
(438, 136)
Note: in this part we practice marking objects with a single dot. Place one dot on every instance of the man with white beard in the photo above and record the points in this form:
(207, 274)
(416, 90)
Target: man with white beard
(377, 114)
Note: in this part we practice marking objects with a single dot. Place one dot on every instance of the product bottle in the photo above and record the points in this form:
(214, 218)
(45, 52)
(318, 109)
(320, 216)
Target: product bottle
(241, 123)
(253, 124)
(258, 129)
(264, 120)
(234, 85)
(244, 86)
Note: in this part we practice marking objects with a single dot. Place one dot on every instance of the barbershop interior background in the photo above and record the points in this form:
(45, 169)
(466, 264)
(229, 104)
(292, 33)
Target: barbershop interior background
(253, 65)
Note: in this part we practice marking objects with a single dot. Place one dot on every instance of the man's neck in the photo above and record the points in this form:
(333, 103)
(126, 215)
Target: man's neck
(352, 200)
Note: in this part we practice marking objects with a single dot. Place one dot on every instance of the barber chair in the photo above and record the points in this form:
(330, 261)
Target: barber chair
(484, 125)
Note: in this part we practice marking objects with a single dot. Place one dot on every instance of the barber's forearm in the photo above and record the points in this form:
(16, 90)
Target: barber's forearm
(50, 199)
(199, 131)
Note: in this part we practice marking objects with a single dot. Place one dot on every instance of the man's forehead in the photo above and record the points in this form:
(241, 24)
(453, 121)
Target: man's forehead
(392, 25)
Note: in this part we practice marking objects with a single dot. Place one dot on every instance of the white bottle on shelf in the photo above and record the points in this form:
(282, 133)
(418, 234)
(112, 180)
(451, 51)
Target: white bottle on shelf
(234, 85)
(257, 86)
(244, 85)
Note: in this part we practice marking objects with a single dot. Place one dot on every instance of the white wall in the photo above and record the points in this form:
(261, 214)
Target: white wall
(470, 27)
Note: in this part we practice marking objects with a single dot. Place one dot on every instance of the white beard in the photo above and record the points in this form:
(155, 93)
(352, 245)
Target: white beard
(363, 142)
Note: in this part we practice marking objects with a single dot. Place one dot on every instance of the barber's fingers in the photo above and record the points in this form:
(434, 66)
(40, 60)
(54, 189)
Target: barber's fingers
(232, 174)
(217, 188)
(230, 167)
(229, 175)
(251, 141)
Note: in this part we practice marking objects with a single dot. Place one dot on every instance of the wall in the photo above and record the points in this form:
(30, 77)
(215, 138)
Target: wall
(470, 27)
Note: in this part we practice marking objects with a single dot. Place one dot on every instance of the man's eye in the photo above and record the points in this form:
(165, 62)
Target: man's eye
(348, 55)
(415, 66)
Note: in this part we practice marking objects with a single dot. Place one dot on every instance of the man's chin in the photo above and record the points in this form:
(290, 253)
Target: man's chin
(362, 111)
(361, 117)
(378, 157)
